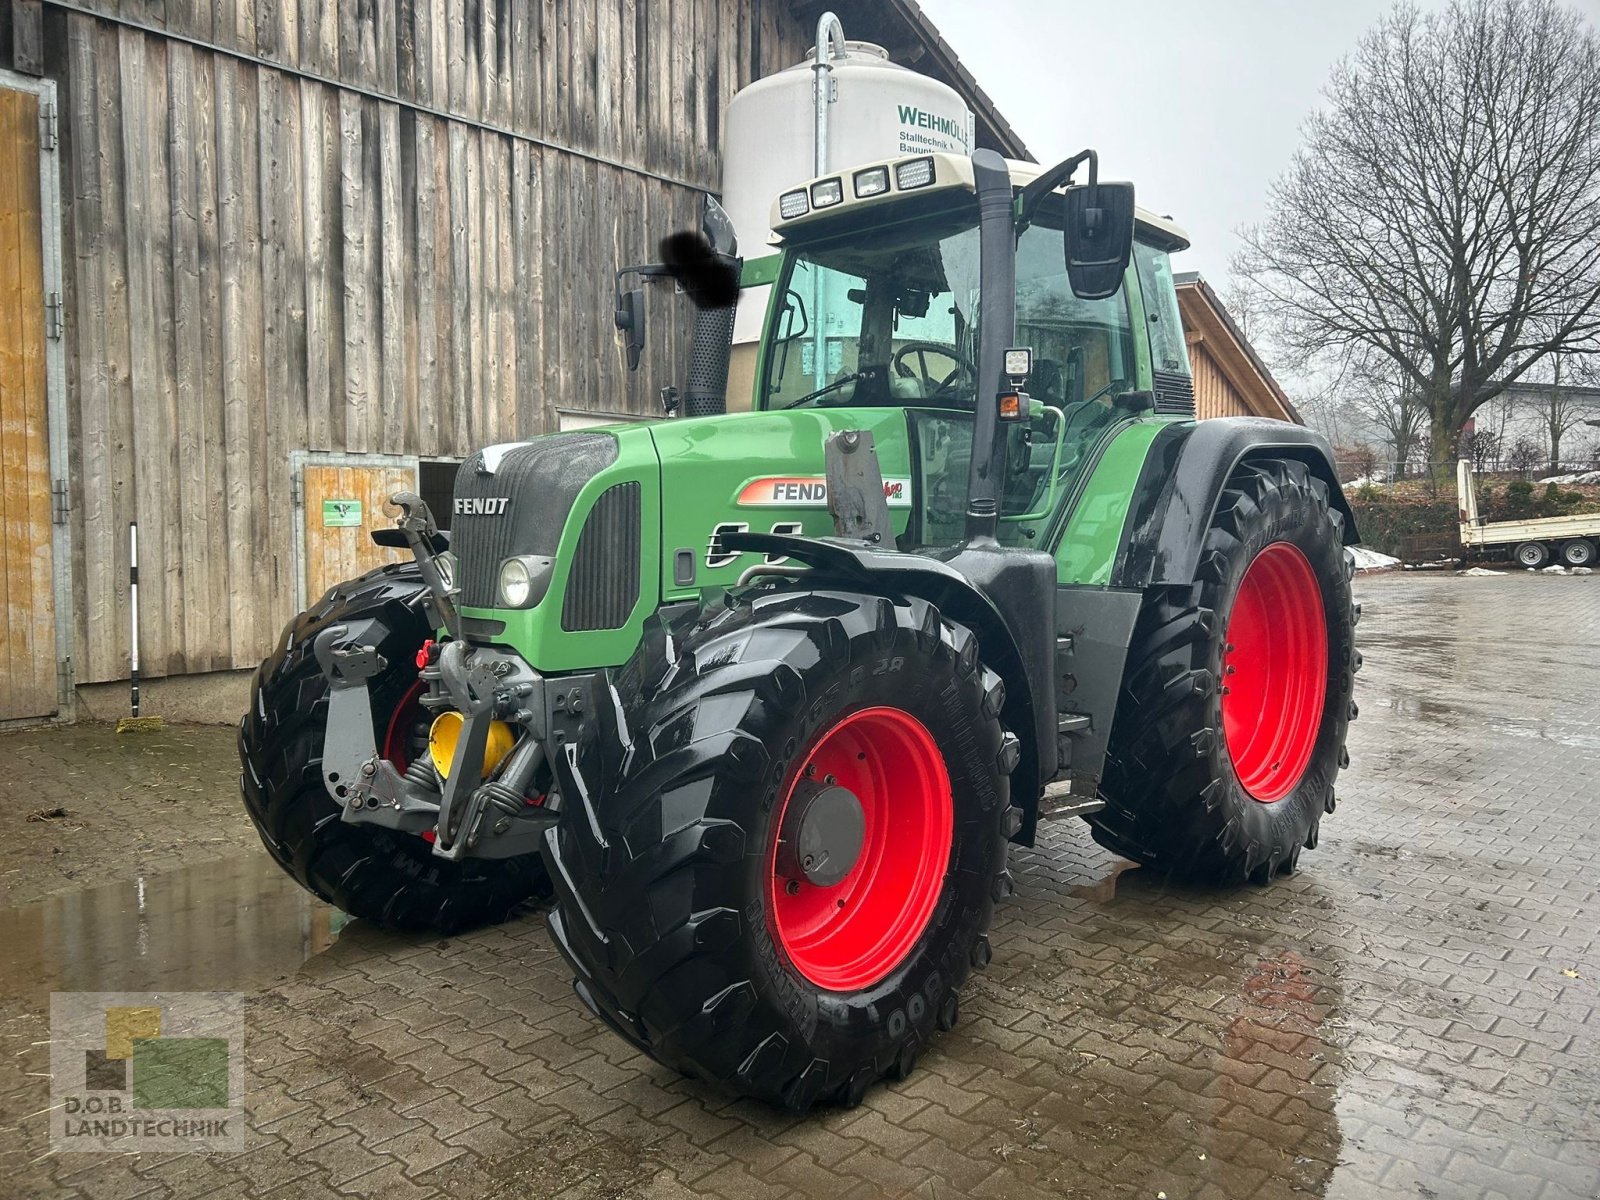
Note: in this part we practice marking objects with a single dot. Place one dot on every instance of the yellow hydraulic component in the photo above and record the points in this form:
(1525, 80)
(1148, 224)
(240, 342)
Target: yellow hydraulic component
(446, 732)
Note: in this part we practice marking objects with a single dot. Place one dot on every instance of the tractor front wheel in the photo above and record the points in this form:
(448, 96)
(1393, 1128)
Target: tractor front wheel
(381, 875)
(796, 872)
(1230, 726)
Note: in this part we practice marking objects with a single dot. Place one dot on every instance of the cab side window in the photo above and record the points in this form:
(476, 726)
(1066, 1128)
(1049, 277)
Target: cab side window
(1168, 350)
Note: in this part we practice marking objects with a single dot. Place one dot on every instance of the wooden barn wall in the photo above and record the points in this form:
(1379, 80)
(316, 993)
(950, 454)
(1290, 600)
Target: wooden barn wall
(1214, 396)
(401, 241)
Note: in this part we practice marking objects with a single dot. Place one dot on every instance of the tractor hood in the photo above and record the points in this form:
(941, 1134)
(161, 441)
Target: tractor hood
(610, 523)
(762, 472)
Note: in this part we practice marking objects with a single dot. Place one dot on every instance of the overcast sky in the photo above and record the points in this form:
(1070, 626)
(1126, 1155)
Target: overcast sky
(1199, 104)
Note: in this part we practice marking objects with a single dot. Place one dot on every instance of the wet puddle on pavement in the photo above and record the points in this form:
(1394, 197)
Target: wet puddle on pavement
(231, 925)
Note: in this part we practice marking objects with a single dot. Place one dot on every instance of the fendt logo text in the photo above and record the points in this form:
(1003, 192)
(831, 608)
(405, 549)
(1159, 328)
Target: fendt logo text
(481, 506)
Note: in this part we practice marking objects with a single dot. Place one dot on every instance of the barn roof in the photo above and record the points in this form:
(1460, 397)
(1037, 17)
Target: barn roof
(1204, 313)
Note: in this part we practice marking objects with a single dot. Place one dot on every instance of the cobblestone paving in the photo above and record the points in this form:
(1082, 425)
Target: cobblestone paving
(1414, 1014)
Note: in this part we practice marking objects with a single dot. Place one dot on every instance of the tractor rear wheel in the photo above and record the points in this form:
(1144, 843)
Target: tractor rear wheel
(1230, 726)
(380, 875)
(797, 869)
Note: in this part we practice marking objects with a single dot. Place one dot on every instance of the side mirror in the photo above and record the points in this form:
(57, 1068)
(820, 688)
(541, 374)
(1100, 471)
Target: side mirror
(710, 279)
(630, 319)
(1099, 237)
(717, 225)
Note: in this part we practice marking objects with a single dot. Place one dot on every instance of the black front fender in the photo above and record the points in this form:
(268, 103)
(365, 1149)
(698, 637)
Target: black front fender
(1006, 597)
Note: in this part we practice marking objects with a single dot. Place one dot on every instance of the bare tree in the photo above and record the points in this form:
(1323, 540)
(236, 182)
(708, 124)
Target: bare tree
(1560, 410)
(1443, 213)
(1384, 400)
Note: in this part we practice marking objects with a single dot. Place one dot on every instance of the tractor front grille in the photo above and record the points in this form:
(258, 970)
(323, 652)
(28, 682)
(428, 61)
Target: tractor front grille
(603, 584)
(516, 500)
(1174, 393)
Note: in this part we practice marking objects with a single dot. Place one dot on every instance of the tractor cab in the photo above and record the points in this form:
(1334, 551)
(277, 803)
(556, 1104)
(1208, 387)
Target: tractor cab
(879, 304)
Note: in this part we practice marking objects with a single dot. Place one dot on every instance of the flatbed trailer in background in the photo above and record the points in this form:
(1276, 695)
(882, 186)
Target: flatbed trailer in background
(1532, 543)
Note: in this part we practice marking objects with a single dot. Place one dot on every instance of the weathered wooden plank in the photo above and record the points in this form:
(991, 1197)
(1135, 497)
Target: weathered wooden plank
(527, 284)
(359, 203)
(348, 64)
(208, 288)
(152, 446)
(191, 516)
(629, 107)
(27, 36)
(438, 61)
(192, 18)
(391, 267)
(278, 31)
(410, 15)
(505, 292)
(148, 12)
(239, 336)
(384, 63)
(472, 54)
(93, 554)
(283, 314)
(522, 41)
(461, 283)
(456, 56)
(319, 36)
(488, 328)
(425, 190)
(478, 405)
(607, 50)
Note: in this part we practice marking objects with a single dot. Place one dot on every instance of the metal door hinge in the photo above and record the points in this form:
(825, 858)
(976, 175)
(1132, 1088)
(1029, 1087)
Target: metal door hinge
(54, 316)
(295, 495)
(60, 502)
(49, 135)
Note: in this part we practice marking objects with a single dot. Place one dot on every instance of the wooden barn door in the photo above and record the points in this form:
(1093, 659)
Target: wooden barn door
(341, 499)
(28, 681)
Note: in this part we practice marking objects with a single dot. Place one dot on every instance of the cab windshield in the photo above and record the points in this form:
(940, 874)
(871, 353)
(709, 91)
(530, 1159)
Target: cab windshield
(889, 316)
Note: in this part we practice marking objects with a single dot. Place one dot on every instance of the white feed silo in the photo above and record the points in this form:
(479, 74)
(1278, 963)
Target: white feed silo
(778, 134)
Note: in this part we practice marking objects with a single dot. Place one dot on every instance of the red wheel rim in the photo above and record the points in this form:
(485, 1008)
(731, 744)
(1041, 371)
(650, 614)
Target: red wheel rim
(852, 934)
(1275, 672)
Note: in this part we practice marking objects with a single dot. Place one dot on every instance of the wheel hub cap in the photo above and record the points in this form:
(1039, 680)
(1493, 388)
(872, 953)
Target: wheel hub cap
(823, 827)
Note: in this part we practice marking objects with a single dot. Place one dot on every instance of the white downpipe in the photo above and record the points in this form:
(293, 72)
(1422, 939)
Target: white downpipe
(830, 45)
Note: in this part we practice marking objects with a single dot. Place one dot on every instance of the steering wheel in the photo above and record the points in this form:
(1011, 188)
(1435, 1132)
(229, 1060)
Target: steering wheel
(930, 386)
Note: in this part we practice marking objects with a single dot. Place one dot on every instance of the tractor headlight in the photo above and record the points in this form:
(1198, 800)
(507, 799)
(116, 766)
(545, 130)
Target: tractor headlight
(826, 193)
(914, 174)
(874, 181)
(524, 580)
(793, 204)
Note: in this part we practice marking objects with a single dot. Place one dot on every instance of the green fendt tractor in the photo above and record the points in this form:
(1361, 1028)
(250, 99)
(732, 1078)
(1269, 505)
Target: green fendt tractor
(761, 698)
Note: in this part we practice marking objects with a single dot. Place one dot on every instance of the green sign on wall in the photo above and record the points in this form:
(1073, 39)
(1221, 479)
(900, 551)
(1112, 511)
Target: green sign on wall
(340, 514)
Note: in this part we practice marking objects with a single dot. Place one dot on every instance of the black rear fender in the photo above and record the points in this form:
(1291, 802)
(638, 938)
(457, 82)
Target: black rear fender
(1183, 477)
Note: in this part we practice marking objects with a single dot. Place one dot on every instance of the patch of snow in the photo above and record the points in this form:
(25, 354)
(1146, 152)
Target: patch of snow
(1371, 560)
(1583, 570)
(1479, 571)
(1553, 569)
(1576, 477)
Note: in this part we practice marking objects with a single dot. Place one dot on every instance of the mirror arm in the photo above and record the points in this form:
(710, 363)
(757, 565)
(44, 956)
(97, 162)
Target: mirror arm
(1033, 195)
(644, 271)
